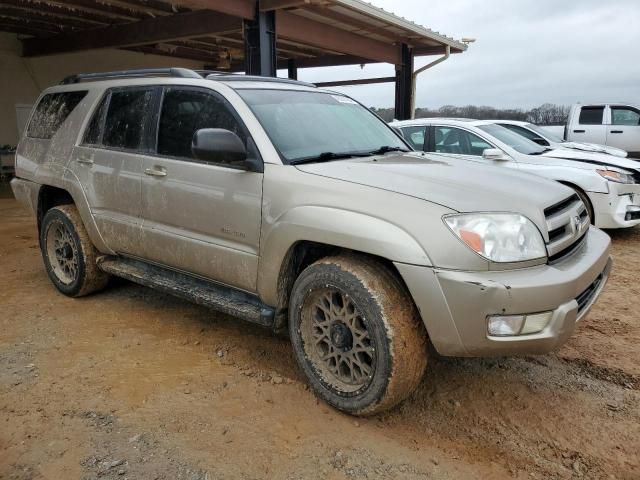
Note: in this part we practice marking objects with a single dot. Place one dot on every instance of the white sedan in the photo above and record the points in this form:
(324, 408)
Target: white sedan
(544, 137)
(608, 185)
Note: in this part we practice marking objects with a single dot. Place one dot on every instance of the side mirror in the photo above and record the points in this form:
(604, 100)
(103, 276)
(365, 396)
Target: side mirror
(218, 145)
(495, 154)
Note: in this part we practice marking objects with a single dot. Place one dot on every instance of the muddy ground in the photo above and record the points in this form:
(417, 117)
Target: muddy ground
(134, 384)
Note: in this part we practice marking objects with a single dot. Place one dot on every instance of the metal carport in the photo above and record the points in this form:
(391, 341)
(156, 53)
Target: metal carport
(255, 36)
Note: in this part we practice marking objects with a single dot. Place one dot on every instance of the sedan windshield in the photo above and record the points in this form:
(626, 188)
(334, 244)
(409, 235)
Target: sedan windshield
(546, 134)
(315, 126)
(517, 142)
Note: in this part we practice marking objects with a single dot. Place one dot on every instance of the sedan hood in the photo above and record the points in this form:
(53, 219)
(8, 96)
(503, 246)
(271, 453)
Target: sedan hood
(461, 185)
(593, 158)
(592, 147)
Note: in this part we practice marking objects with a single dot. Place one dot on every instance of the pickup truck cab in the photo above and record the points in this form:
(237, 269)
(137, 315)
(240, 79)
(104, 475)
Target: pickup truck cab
(611, 124)
(609, 186)
(299, 210)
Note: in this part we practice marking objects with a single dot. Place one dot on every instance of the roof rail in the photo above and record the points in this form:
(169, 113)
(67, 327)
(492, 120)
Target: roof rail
(226, 77)
(147, 72)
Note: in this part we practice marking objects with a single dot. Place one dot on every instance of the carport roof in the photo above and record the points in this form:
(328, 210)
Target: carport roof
(311, 32)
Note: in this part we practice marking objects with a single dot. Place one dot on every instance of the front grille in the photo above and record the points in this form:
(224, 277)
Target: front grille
(584, 299)
(567, 225)
(560, 206)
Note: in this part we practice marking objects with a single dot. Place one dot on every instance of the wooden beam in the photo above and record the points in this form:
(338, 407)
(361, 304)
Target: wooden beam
(173, 51)
(329, 61)
(245, 9)
(44, 27)
(105, 8)
(44, 17)
(359, 81)
(439, 50)
(310, 32)
(153, 30)
(23, 29)
(267, 5)
(66, 11)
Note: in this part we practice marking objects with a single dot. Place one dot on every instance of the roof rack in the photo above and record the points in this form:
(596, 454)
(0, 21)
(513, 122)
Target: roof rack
(227, 77)
(147, 72)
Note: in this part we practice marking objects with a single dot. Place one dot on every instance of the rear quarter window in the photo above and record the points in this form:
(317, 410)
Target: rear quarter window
(51, 112)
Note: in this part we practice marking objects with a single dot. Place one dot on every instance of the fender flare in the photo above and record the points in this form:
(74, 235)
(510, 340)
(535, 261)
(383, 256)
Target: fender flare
(334, 227)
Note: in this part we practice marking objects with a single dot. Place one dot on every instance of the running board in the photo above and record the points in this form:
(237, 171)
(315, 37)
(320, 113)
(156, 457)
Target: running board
(218, 297)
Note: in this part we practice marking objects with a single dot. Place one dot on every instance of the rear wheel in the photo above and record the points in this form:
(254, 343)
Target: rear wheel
(356, 334)
(68, 254)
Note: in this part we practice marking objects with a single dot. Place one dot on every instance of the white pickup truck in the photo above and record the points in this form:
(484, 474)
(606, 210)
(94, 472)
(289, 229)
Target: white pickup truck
(612, 124)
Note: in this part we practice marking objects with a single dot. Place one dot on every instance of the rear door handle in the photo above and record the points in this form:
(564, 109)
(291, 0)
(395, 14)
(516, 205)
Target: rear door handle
(156, 172)
(617, 131)
(579, 131)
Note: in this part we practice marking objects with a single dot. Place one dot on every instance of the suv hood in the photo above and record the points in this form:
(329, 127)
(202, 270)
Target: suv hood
(593, 158)
(460, 185)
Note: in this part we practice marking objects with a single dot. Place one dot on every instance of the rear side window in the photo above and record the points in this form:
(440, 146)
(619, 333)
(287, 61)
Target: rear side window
(125, 121)
(51, 112)
(625, 116)
(591, 115)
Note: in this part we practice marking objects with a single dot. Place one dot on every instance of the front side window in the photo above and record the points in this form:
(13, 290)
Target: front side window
(415, 136)
(124, 125)
(304, 125)
(458, 141)
(591, 115)
(185, 111)
(51, 112)
(625, 116)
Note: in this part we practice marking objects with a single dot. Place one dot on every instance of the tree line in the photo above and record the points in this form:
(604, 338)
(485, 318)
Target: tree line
(546, 114)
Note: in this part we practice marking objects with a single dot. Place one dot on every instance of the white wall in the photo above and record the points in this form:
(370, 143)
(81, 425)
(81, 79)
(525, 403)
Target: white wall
(22, 79)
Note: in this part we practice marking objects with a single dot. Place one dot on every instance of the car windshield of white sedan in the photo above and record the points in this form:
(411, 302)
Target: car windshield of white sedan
(315, 126)
(545, 133)
(514, 140)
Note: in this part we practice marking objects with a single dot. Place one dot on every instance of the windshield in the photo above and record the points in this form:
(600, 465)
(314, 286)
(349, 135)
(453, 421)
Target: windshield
(544, 133)
(309, 125)
(514, 140)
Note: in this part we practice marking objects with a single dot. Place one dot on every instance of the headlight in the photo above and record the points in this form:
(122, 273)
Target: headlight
(499, 237)
(617, 177)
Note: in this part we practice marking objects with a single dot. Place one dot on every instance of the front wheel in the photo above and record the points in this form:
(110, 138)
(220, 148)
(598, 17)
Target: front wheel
(68, 254)
(356, 334)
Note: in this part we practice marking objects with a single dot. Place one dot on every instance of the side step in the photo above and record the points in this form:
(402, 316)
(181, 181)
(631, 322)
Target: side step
(218, 297)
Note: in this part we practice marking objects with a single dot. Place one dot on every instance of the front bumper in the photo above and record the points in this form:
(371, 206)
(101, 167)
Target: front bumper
(455, 305)
(620, 208)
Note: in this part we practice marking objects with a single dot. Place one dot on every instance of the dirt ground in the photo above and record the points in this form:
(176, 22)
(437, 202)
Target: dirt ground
(130, 383)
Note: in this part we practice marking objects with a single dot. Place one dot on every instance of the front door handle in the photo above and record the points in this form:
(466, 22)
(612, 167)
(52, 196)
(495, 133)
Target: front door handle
(85, 160)
(578, 131)
(156, 172)
(617, 131)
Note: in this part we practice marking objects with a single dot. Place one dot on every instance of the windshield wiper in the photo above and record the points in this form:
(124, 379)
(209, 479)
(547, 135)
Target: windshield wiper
(386, 149)
(327, 157)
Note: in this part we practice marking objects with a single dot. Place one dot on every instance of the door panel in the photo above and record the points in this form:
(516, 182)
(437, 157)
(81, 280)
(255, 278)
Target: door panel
(203, 219)
(200, 217)
(624, 131)
(590, 127)
(111, 183)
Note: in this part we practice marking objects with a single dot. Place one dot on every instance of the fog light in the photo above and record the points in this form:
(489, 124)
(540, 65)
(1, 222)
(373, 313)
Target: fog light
(512, 325)
(506, 325)
(536, 323)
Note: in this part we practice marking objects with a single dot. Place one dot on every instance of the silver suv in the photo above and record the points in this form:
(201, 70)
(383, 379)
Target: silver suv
(297, 208)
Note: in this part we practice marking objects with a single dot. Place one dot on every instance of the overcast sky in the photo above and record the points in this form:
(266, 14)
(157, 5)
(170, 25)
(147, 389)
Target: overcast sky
(527, 52)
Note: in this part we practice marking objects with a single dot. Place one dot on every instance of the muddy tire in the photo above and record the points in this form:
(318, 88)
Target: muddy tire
(68, 254)
(356, 334)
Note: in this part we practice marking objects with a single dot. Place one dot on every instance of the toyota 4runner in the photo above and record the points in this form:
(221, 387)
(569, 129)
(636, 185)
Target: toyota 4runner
(297, 208)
